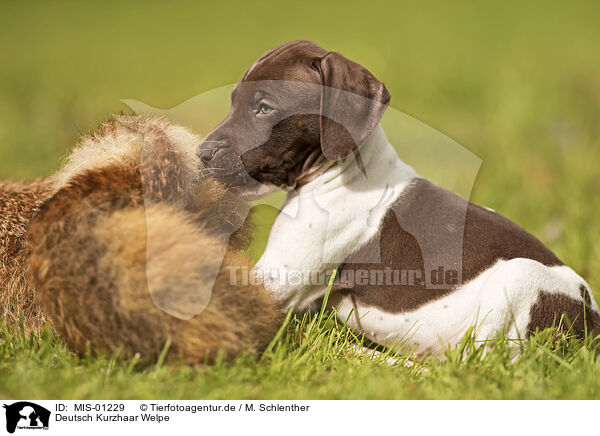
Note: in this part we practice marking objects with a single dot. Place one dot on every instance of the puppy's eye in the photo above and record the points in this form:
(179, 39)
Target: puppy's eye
(264, 109)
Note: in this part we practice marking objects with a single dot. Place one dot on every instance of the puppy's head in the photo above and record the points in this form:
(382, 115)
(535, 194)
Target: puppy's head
(297, 109)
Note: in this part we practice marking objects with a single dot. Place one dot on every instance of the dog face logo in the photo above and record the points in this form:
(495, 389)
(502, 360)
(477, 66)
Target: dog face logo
(25, 415)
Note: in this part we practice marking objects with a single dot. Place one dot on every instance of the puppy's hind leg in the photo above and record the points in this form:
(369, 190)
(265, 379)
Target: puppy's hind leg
(523, 295)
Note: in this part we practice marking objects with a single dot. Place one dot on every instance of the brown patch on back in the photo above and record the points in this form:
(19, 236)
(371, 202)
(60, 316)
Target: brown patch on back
(558, 310)
(430, 227)
(399, 250)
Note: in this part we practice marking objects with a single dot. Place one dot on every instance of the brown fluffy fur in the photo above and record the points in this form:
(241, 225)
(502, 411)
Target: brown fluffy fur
(18, 203)
(131, 224)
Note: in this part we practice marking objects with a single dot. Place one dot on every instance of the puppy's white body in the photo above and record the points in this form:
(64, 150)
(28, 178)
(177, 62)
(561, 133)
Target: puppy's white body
(338, 212)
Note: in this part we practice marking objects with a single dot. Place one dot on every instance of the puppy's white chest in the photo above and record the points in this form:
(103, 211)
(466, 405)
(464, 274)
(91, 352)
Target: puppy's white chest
(307, 241)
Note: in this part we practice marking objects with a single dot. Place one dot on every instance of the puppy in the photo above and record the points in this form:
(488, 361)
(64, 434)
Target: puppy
(131, 251)
(414, 260)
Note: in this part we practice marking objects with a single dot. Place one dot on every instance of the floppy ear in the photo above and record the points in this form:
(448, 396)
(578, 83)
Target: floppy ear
(352, 103)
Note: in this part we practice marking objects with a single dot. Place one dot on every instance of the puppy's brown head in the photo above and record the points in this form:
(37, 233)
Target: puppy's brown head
(297, 109)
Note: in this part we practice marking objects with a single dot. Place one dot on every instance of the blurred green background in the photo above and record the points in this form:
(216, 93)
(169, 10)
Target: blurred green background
(516, 83)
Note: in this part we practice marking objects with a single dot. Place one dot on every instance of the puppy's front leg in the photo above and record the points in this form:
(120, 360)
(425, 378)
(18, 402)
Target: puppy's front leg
(292, 265)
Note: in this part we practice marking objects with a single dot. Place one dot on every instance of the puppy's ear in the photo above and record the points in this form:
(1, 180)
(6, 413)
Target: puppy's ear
(352, 103)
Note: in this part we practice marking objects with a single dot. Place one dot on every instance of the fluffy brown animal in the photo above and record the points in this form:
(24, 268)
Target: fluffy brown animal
(18, 203)
(125, 252)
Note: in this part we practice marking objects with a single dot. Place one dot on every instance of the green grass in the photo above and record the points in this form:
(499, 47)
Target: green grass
(515, 83)
(314, 357)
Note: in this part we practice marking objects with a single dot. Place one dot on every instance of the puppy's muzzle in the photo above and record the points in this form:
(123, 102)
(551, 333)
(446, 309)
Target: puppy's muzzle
(218, 159)
(208, 150)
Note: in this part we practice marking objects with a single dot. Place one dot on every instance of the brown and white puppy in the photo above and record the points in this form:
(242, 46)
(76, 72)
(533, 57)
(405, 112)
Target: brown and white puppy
(415, 260)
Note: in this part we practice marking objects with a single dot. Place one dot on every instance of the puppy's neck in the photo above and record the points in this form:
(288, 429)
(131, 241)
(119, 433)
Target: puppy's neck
(374, 164)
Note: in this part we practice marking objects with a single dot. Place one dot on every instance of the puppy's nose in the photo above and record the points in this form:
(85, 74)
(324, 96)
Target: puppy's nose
(206, 155)
(209, 148)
